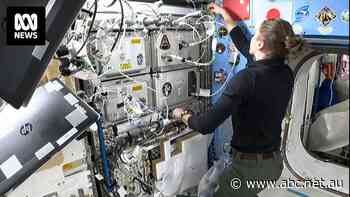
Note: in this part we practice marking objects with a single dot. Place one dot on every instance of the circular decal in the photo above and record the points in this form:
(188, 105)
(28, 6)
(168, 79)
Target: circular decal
(167, 89)
(220, 48)
(26, 129)
(273, 13)
(140, 59)
(223, 31)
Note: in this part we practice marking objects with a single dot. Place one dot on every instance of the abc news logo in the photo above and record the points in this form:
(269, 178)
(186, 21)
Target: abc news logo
(26, 25)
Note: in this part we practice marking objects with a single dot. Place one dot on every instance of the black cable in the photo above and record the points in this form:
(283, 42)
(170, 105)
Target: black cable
(112, 3)
(143, 185)
(120, 27)
(89, 31)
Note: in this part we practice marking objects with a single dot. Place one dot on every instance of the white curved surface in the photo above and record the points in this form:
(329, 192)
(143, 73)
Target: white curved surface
(298, 158)
(331, 129)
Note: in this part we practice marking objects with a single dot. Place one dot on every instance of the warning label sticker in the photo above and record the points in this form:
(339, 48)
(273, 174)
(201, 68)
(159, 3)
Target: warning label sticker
(165, 43)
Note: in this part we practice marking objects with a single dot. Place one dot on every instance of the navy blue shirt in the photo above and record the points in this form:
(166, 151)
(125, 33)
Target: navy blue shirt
(256, 98)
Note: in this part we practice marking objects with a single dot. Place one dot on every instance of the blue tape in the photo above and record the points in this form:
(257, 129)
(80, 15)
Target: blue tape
(103, 152)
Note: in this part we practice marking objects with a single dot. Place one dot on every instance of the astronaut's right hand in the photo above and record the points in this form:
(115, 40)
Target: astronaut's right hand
(218, 10)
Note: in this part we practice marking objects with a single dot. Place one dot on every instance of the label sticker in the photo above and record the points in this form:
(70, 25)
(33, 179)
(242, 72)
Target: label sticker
(71, 99)
(165, 43)
(53, 86)
(57, 85)
(66, 137)
(39, 51)
(49, 87)
(74, 167)
(11, 166)
(325, 16)
(137, 88)
(125, 66)
(76, 117)
(80, 108)
(136, 40)
(45, 150)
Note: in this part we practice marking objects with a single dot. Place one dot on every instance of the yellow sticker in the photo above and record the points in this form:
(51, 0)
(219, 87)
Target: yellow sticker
(137, 88)
(125, 66)
(72, 165)
(136, 40)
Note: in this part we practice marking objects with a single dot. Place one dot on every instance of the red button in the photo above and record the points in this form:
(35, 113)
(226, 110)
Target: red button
(273, 14)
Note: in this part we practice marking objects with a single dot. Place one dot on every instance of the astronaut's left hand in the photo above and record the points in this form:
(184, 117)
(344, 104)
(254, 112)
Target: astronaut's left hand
(178, 113)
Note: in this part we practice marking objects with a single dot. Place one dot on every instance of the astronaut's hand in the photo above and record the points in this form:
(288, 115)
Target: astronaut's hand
(178, 113)
(216, 9)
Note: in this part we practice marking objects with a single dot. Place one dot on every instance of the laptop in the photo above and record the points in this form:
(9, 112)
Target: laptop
(31, 135)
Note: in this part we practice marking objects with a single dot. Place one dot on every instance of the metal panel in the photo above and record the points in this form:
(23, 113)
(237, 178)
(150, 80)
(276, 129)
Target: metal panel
(173, 87)
(132, 56)
(56, 183)
(113, 107)
(164, 63)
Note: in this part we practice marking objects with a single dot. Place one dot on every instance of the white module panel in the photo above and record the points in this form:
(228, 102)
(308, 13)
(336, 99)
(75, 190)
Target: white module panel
(173, 42)
(66, 175)
(129, 55)
(125, 97)
(175, 87)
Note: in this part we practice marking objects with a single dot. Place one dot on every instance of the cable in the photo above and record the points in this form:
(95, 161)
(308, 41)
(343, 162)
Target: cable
(122, 38)
(194, 5)
(187, 16)
(208, 16)
(223, 85)
(201, 41)
(120, 27)
(192, 62)
(155, 91)
(332, 93)
(89, 31)
(205, 39)
(192, 27)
